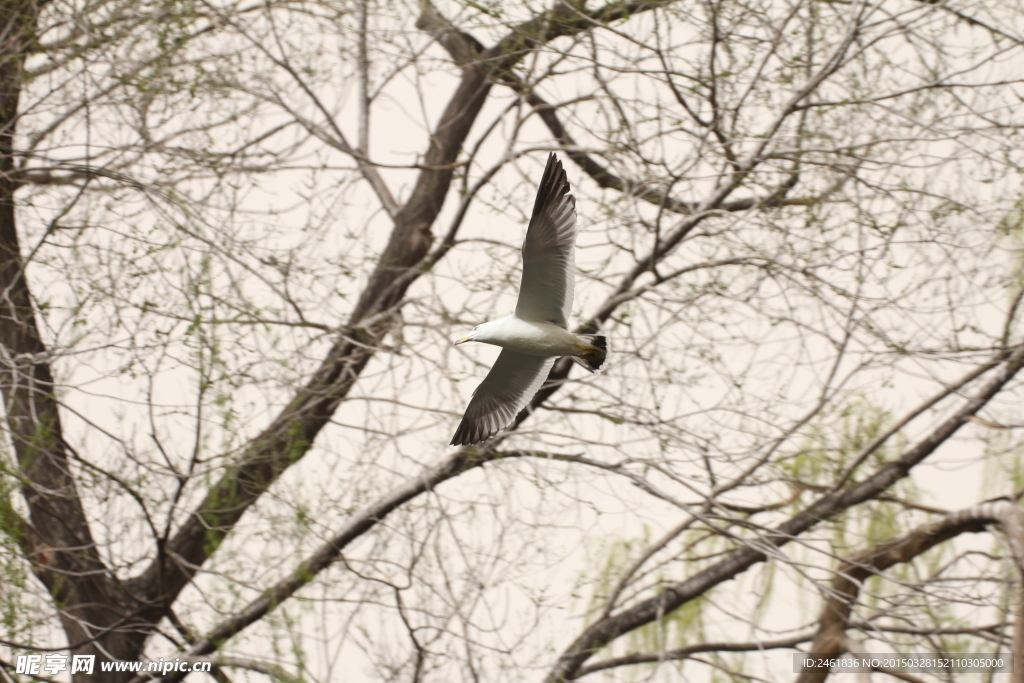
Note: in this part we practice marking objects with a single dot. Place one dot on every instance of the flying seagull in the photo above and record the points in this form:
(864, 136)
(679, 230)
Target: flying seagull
(536, 334)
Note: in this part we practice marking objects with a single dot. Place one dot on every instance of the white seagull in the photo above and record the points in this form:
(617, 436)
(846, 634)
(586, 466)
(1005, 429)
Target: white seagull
(536, 334)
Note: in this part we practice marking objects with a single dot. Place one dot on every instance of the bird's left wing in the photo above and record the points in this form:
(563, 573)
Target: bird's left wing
(549, 267)
(506, 390)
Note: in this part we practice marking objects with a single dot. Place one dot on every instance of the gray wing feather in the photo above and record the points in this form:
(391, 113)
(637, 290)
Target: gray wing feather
(506, 390)
(549, 266)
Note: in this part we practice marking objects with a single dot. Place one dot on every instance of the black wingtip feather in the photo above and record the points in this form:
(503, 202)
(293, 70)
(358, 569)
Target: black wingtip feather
(470, 432)
(553, 184)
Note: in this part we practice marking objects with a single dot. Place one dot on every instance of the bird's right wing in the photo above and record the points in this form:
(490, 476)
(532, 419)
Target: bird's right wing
(506, 390)
(549, 267)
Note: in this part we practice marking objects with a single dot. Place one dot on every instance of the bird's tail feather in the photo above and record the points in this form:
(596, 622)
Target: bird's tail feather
(593, 359)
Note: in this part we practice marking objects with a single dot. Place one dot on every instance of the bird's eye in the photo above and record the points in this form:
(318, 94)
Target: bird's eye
(474, 329)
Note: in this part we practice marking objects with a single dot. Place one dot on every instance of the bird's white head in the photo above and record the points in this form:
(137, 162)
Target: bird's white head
(479, 333)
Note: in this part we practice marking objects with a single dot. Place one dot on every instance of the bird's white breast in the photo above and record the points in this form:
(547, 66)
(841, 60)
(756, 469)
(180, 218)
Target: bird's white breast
(534, 338)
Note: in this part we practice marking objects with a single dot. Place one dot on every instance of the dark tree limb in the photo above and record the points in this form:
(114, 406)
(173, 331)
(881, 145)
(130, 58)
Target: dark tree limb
(462, 461)
(291, 434)
(98, 615)
(469, 458)
(690, 650)
(831, 639)
(604, 631)
(463, 48)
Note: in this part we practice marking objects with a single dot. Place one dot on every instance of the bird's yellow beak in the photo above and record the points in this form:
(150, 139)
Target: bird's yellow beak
(462, 341)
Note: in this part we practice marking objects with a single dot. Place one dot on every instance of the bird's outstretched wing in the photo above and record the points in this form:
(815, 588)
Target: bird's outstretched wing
(506, 390)
(549, 267)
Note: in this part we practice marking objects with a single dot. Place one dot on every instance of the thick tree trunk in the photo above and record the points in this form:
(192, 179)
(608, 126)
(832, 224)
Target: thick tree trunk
(98, 617)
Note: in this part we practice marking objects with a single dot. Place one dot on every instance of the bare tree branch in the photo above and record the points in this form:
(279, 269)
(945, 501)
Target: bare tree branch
(831, 638)
(690, 650)
(294, 430)
(604, 631)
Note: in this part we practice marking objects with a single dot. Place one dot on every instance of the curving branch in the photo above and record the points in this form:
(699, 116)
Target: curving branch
(469, 458)
(292, 432)
(831, 638)
(114, 618)
(464, 48)
(56, 539)
(607, 629)
(687, 652)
